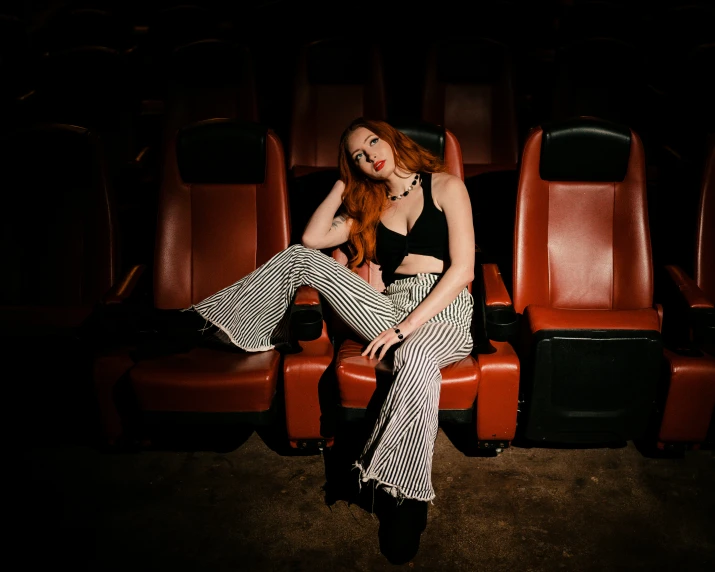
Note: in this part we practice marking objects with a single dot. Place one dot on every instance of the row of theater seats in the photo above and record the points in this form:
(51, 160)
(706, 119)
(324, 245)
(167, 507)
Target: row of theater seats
(487, 84)
(579, 352)
(468, 83)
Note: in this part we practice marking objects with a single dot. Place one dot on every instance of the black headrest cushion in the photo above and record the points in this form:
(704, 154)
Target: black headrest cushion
(584, 149)
(222, 152)
(429, 135)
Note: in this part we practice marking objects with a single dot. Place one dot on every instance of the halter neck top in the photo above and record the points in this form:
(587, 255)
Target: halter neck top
(428, 236)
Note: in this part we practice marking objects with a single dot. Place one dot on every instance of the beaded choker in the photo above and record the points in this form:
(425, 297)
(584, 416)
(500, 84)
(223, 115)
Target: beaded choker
(407, 191)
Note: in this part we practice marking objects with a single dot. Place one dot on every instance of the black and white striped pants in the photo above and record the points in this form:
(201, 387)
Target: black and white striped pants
(398, 455)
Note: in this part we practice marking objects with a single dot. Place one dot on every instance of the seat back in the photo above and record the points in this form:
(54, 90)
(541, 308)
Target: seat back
(209, 79)
(92, 87)
(17, 56)
(176, 25)
(705, 239)
(223, 209)
(331, 87)
(468, 88)
(72, 27)
(59, 249)
(58, 243)
(582, 239)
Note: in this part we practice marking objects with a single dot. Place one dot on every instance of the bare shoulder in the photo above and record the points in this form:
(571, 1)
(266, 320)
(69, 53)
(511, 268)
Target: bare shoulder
(448, 188)
(339, 184)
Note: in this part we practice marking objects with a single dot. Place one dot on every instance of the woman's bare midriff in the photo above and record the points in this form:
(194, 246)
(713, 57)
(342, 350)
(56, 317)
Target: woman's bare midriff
(420, 264)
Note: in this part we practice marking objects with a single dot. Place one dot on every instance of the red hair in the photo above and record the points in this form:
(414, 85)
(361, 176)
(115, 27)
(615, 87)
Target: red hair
(365, 199)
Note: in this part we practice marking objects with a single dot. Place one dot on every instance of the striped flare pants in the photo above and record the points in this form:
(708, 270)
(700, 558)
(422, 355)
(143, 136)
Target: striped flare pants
(398, 455)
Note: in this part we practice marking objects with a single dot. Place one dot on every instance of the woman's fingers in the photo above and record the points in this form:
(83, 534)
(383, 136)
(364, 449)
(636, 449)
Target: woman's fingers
(379, 346)
(383, 350)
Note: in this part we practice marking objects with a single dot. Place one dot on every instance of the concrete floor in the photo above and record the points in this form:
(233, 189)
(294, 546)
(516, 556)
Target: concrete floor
(251, 505)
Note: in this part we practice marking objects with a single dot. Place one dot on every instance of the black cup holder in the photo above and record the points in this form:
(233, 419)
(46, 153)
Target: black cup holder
(502, 323)
(306, 324)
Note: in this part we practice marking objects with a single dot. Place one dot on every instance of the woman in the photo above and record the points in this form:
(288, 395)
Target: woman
(396, 205)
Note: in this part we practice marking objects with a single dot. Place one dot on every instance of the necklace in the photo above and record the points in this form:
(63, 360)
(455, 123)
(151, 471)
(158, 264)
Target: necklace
(407, 191)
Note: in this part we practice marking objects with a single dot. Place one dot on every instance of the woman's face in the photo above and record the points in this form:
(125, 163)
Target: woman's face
(370, 154)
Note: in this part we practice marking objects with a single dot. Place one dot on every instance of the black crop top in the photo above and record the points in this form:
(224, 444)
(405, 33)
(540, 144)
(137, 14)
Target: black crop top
(428, 236)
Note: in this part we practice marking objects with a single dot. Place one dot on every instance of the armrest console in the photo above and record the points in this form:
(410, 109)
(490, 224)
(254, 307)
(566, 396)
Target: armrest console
(124, 309)
(694, 297)
(502, 321)
(691, 300)
(306, 315)
(125, 287)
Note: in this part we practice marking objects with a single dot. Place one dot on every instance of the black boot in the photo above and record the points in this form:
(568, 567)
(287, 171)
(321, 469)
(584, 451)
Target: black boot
(401, 525)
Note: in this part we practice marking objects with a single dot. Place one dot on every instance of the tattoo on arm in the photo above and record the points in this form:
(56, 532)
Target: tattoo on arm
(337, 221)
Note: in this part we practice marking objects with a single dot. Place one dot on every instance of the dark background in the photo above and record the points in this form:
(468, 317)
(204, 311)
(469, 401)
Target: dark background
(650, 71)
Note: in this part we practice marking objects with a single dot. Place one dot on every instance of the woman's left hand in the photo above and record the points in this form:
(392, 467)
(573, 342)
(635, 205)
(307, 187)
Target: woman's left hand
(390, 337)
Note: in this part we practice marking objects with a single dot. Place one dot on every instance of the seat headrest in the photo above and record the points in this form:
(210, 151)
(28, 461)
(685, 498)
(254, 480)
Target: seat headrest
(222, 151)
(584, 149)
(487, 60)
(429, 135)
(206, 62)
(333, 61)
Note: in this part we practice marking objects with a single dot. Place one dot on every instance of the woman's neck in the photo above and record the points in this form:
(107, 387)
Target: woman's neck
(398, 182)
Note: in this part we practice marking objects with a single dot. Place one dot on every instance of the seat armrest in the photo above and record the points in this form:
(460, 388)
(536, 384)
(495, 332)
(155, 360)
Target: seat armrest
(498, 397)
(495, 292)
(502, 321)
(306, 315)
(124, 288)
(689, 314)
(307, 296)
(306, 374)
(126, 310)
(693, 296)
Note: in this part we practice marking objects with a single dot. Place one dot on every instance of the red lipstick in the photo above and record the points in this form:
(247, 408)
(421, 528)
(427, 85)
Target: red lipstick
(379, 165)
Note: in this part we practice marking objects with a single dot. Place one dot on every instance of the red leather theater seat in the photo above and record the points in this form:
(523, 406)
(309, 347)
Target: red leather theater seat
(223, 211)
(688, 406)
(480, 391)
(583, 283)
(61, 255)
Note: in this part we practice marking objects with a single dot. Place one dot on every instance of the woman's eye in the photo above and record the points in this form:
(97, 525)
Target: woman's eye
(357, 157)
(373, 141)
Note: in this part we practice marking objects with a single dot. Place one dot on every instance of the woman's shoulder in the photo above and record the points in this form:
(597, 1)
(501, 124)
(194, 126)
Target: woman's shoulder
(446, 183)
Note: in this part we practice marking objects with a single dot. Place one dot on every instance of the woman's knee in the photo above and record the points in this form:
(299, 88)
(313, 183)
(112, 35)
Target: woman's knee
(415, 356)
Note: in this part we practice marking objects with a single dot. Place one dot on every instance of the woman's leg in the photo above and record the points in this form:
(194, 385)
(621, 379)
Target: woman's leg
(250, 310)
(398, 454)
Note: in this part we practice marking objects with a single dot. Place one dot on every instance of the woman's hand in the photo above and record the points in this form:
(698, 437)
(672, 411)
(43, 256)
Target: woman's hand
(390, 337)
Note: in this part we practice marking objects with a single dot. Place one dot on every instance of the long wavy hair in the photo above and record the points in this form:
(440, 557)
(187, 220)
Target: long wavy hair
(365, 199)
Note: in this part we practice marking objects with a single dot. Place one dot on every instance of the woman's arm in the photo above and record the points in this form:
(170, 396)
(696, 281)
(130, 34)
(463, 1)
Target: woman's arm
(324, 229)
(454, 200)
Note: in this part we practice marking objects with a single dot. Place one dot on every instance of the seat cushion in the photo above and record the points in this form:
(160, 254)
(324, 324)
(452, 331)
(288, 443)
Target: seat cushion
(207, 380)
(357, 379)
(543, 318)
